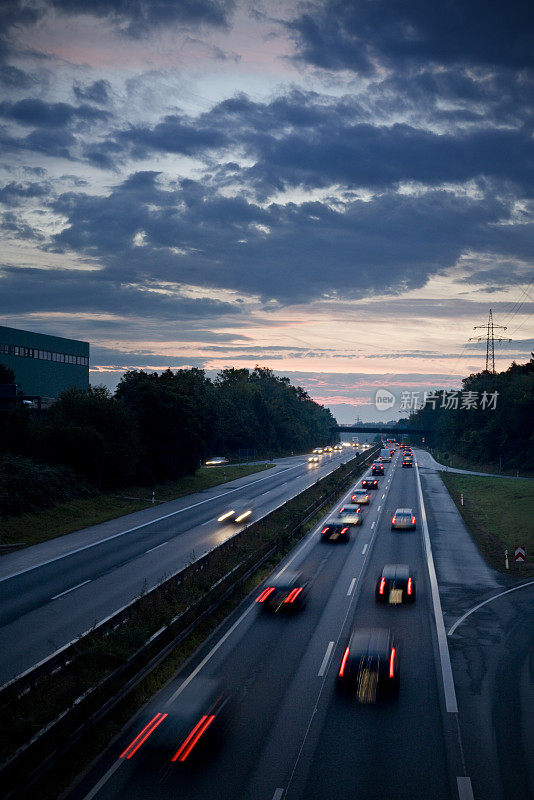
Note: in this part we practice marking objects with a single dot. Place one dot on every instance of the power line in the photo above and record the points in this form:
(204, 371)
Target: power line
(490, 340)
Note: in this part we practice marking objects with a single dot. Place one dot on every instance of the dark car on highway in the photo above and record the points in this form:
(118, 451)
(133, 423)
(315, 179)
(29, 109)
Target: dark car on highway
(284, 594)
(334, 531)
(192, 723)
(395, 585)
(369, 667)
(407, 462)
(369, 483)
(377, 468)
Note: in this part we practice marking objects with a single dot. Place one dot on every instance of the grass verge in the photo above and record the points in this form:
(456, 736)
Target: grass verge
(499, 515)
(74, 515)
(459, 462)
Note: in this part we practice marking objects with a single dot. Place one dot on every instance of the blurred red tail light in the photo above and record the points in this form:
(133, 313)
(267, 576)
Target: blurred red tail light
(343, 662)
(392, 663)
(382, 584)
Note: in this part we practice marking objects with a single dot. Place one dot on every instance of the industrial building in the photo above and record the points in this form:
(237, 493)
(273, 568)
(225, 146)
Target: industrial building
(44, 365)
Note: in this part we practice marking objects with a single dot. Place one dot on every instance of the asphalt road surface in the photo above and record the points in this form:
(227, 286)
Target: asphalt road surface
(54, 592)
(289, 733)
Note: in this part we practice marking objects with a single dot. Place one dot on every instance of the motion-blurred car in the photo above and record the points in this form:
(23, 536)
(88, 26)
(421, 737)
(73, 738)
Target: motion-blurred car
(395, 585)
(338, 447)
(328, 449)
(216, 461)
(369, 668)
(237, 517)
(350, 514)
(313, 460)
(285, 594)
(403, 518)
(369, 483)
(360, 496)
(317, 451)
(190, 724)
(377, 468)
(334, 531)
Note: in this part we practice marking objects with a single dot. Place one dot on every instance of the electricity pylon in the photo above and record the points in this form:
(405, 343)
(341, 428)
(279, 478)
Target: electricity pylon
(490, 341)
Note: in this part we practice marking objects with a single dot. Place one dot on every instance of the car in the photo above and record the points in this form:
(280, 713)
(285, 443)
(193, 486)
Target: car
(328, 449)
(317, 451)
(369, 483)
(377, 468)
(360, 496)
(403, 518)
(284, 594)
(369, 669)
(338, 447)
(385, 454)
(334, 530)
(313, 460)
(407, 462)
(395, 585)
(236, 516)
(191, 724)
(351, 514)
(216, 461)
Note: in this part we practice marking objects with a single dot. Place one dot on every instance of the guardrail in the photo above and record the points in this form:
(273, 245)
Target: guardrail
(55, 739)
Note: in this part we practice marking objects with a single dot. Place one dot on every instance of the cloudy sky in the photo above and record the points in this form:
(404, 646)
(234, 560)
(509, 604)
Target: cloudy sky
(339, 190)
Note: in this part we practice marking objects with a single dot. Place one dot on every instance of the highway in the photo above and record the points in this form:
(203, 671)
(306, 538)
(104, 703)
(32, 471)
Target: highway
(290, 735)
(53, 592)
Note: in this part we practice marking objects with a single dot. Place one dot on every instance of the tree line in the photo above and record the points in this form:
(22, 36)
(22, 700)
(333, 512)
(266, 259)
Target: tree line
(158, 427)
(490, 420)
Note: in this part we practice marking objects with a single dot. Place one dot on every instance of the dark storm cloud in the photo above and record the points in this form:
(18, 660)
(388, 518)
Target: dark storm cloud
(97, 92)
(343, 34)
(138, 17)
(54, 143)
(140, 359)
(288, 252)
(14, 194)
(304, 140)
(25, 290)
(39, 114)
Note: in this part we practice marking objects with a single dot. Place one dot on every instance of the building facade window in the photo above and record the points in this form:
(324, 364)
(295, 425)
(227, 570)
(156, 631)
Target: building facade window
(44, 355)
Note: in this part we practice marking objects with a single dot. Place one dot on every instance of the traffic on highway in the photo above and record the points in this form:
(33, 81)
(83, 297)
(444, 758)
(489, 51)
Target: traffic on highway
(343, 697)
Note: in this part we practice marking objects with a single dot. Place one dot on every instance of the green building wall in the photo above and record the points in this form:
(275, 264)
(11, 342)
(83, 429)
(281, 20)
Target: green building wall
(44, 365)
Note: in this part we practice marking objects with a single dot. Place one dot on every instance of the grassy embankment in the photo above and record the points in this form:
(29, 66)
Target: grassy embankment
(74, 515)
(499, 514)
(459, 462)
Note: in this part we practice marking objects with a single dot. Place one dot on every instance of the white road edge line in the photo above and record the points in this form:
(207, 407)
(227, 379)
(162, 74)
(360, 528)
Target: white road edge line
(444, 656)
(206, 658)
(373, 524)
(326, 659)
(465, 790)
(278, 794)
(366, 545)
(351, 587)
(489, 600)
(104, 779)
(156, 547)
(72, 588)
(143, 525)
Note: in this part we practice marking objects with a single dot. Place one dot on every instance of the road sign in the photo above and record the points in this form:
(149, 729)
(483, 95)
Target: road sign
(520, 553)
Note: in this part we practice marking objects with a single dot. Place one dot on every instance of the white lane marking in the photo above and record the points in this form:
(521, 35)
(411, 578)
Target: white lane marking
(156, 547)
(72, 588)
(444, 656)
(465, 790)
(351, 587)
(366, 545)
(208, 522)
(326, 659)
(104, 779)
(379, 507)
(211, 653)
(489, 600)
(383, 495)
(278, 794)
(373, 525)
(143, 525)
